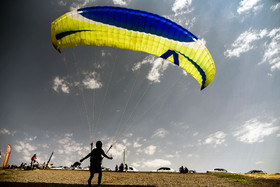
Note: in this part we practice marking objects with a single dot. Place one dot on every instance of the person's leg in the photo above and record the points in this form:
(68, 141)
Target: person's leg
(90, 178)
(32, 165)
(99, 178)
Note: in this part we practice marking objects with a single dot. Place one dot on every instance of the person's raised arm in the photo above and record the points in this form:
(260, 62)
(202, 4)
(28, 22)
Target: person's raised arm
(85, 158)
(109, 157)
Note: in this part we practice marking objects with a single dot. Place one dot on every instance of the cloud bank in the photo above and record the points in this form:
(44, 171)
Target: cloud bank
(247, 41)
(254, 131)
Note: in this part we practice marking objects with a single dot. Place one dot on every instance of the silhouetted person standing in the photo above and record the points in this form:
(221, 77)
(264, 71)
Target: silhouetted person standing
(33, 161)
(96, 161)
(121, 168)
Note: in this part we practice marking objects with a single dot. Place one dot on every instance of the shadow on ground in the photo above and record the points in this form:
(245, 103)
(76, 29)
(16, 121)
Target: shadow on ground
(17, 184)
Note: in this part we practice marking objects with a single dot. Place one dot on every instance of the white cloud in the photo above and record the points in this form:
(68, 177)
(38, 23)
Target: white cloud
(203, 41)
(181, 4)
(150, 150)
(271, 47)
(161, 132)
(275, 7)
(45, 146)
(91, 81)
(156, 163)
(272, 50)
(129, 135)
(121, 2)
(136, 145)
(104, 53)
(190, 155)
(169, 156)
(190, 23)
(244, 42)
(254, 131)
(126, 142)
(7, 132)
(59, 84)
(31, 138)
(195, 133)
(80, 4)
(246, 6)
(62, 3)
(86, 3)
(138, 65)
(117, 150)
(216, 138)
(66, 139)
(26, 149)
(68, 150)
(159, 66)
(151, 164)
(21, 146)
(181, 8)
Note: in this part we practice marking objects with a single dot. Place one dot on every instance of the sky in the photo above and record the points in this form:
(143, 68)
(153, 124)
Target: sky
(52, 102)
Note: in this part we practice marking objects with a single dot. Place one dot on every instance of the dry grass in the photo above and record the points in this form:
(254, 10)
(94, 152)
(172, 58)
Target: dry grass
(265, 176)
(137, 178)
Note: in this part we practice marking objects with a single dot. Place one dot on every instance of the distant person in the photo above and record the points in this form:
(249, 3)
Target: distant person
(21, 166)
(117, 167)
(181, 169)
(126, 168)
(121, 167)
(25, 165)
(33, 160)
(186, 170)
(96, 161)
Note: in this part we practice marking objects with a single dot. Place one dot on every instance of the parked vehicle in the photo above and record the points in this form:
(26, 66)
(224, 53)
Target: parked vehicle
(132, 169)
(192, 171)
(256, 172)
(217, 170)
(57, 167)
(105, 169)
(165, 169)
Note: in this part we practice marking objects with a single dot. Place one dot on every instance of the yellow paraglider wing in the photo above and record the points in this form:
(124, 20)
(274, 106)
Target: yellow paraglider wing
(135, 30)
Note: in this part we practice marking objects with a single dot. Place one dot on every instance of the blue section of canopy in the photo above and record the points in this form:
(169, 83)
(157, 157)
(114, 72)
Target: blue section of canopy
(137, 20)
(170, 53)
(176, 61)
(200, 70)
(63, 34)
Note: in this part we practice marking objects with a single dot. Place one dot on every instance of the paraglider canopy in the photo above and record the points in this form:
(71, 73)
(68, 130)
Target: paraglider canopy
(135, 30)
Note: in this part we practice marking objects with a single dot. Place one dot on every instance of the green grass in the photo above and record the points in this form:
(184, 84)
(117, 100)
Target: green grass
(241, 179)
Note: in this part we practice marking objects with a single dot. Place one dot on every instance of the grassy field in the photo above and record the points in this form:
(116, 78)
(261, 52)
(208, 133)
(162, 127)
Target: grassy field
(79, 178)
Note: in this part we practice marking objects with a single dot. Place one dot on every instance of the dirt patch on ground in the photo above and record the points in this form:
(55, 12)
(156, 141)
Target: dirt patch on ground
(79, 178)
